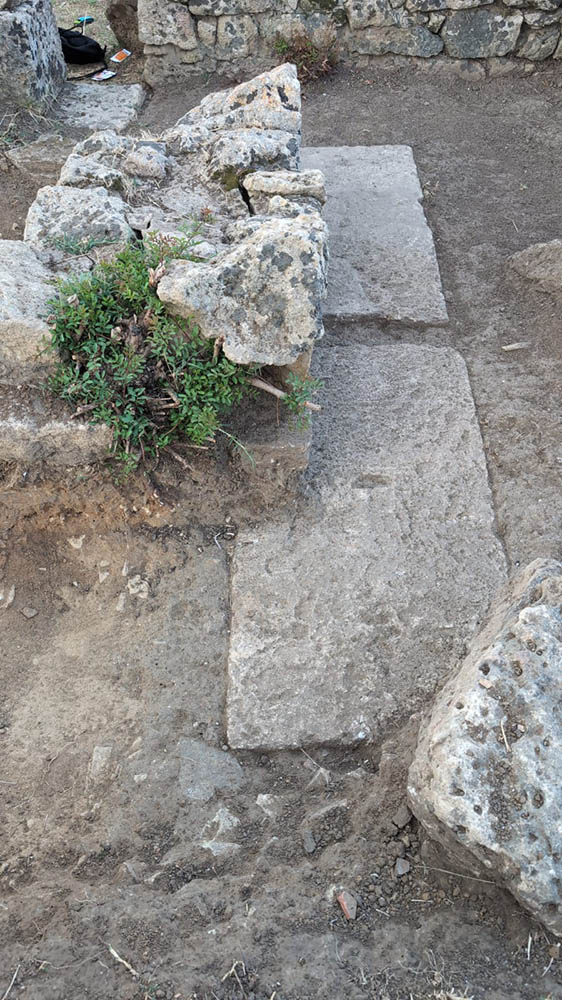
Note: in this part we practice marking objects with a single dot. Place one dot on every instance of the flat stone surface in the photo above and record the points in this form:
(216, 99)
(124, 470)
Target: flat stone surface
(34, 429)
(345, 620)
(93, 106)
(205, 770)
(486, 776)
(382, 255)
(24, 293)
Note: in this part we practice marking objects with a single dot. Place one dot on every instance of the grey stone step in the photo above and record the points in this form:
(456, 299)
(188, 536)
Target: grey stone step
(347, 618)
(35, 429)
(382, 256)
(92, 107)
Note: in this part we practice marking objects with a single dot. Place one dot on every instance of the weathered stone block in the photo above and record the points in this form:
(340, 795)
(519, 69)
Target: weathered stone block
(236, 35)
(376, 14)
(24, 293)
(416, 41)
(32, 67)
(487, 773)
(237, 152)
(263, 297)
(269, 101)
(220, 8)
(35, 430)
(537, 44)
(166, 22)
(479, 34)
(389, 571)
(303, 185)
(426, 5)
(81, 213)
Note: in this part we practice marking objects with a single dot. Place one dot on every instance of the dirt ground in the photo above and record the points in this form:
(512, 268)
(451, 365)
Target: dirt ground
(105, 889)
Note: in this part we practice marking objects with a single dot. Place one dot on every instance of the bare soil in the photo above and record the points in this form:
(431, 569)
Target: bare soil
(128, 644)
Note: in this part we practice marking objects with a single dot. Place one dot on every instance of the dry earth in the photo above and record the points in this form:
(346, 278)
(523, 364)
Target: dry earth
(127, 648)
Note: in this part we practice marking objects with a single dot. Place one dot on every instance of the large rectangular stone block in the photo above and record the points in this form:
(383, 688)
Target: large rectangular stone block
(32, 68)
(346, 620)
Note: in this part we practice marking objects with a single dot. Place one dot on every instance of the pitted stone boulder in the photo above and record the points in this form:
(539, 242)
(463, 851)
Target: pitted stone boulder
(24, 293)
(269, 101)
(377, 14)
(263, 297)
(236, 36)
(79, 213)
(32, 67)
(261, 187)
(537, 44)
(487, 773)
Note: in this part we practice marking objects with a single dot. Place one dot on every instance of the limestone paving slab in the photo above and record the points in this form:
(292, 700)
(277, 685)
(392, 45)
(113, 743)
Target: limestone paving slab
(91, 107)
(382, 255)
(347, 618)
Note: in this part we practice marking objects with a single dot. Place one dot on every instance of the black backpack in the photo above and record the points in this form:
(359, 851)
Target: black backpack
(79, 50)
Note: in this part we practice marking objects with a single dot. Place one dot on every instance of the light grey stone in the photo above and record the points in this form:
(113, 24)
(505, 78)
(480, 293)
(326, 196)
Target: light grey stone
(387, 574)
(261, 187)
(91, 107)
(240, 151)
(207, 31)
(376, 14)
(166, 22)
(147, 159)
(537, 44)
(216, 8)
(263, 296)
(24, 294)
(204, 770)
(32, 68)
(436, 21)
(288, 208)
(382, 256)
(480, 34)
(417, 41)
(542, 18)
(236, 36)
(188, 138)
(34, 430)
(487, 773)
(541, 263)
(42, 158)
(427, 5)
(216, 835)
(268, 101)
(80, 213)
(163, 63)
(539, 4)
(90, 171)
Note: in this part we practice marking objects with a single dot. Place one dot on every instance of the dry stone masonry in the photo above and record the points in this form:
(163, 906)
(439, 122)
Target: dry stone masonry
(231, 167)
(185, 36)
(487, 773)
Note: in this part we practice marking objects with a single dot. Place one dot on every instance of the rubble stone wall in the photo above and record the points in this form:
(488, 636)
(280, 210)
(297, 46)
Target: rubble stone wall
(185, 36)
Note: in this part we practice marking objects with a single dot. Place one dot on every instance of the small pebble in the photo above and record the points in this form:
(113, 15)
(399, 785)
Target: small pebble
(402, 867)
(348, 904)
(29, 612)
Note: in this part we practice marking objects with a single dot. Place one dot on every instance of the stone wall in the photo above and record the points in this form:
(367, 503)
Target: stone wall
(185, 36)
(32, 69)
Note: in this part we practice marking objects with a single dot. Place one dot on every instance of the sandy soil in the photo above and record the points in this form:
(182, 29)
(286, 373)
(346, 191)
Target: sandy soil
(127, 650)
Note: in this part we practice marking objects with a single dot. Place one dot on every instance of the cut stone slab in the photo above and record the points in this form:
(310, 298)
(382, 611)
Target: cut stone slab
(35, 430)
(346, 620)
(91, 108)
(382, 256)
(24, 293)
(487, 773)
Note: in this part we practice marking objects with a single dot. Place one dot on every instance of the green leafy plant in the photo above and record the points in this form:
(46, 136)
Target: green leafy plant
(74, 246)
(314, 54)
(125, 361)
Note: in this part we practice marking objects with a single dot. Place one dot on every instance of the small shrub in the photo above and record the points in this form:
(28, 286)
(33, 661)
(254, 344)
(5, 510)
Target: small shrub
(125, 361)
(314, 54)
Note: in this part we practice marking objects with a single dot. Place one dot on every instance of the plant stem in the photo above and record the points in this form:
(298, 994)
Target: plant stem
(259, 383)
